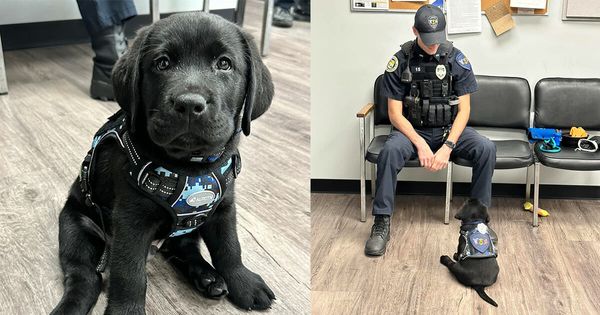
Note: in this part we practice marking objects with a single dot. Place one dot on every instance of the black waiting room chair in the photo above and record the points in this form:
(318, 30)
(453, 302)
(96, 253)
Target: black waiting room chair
(501, 110)
(563, 103)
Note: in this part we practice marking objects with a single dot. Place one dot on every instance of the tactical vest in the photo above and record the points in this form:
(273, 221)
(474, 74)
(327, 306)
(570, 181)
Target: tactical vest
(431, 101)
(480, 241)
(189, 198)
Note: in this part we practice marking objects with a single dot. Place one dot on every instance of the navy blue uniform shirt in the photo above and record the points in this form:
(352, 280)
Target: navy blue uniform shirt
(463, 78)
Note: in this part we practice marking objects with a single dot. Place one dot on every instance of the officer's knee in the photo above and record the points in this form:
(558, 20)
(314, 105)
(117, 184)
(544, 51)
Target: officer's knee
(396, 150)
(488, 148)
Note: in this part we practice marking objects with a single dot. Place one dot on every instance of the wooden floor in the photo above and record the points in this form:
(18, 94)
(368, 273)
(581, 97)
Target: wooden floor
(46, 125)
(552, 269)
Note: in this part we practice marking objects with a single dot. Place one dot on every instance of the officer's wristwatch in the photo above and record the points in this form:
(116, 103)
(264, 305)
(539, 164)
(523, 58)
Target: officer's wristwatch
(450, 144)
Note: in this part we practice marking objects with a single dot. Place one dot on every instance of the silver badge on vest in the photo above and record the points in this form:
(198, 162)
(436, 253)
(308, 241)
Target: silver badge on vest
(440, 71)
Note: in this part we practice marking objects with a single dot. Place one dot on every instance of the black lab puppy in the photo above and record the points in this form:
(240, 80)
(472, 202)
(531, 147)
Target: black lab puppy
(476, 264)
(187, 86)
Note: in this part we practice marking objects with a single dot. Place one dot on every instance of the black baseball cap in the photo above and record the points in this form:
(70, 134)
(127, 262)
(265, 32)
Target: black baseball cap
(431, 24)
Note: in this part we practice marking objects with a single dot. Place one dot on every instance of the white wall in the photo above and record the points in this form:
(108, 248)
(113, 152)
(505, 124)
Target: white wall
(349, 50)
(28, 11)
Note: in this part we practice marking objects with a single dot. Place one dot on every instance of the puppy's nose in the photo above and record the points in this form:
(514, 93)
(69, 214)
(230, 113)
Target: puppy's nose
(190, 103)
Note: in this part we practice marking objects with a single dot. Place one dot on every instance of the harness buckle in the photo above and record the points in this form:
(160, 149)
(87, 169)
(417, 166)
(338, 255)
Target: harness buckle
(88, 200)
(196, 220)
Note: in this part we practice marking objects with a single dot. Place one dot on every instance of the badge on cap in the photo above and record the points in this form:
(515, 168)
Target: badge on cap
(392, 65)
(463, 61)
(440, 71)
(433, 21)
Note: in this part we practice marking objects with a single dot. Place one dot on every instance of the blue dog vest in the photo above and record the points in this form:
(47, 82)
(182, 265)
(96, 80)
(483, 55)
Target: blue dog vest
(189, 198)
(479, 242)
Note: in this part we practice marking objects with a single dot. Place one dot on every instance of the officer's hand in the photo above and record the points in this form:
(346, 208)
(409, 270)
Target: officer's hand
(441, 158)
(425, 157)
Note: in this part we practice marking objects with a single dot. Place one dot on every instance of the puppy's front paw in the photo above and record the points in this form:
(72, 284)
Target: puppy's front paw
(445, 260)
(208, 281)
(247, 290)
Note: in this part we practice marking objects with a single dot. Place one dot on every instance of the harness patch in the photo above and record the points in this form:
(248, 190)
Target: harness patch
(199, 195)
(480, 241)
(463, 61)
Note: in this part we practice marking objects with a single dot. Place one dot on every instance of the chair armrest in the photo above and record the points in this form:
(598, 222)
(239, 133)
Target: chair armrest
(365, 111)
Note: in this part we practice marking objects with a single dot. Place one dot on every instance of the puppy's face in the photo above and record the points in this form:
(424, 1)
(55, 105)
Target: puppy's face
(473, 209)
(197, 75)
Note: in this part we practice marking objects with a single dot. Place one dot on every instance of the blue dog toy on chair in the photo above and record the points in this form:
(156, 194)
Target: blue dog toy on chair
(549, 146)
(551, 138)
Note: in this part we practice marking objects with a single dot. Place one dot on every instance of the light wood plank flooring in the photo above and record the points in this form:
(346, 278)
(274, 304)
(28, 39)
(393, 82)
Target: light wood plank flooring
(46, 124)
(552, 269)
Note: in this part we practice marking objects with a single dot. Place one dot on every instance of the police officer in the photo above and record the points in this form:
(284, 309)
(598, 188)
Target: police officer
(428, 84)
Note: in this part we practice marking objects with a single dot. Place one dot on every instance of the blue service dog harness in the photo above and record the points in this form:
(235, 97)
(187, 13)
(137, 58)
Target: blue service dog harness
(480, 240)
(189, 198)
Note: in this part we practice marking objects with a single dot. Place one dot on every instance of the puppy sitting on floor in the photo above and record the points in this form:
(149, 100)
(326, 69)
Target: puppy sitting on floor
(164, 167)
(476, 264)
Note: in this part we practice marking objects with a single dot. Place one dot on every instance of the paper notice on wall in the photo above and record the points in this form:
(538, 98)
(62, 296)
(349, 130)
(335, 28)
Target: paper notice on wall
(498, 13)
(530, 4)
(367, 5)
(463, 16)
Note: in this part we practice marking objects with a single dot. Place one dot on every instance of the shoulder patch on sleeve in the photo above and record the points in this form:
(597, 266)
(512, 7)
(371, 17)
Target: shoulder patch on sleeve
(463, 61)
(392, 65)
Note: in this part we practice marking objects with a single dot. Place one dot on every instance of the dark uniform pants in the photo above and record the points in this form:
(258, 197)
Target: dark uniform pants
(100, 14)
(398, 149)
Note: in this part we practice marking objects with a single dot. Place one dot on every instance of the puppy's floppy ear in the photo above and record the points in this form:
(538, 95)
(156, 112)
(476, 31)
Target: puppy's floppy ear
(126, 76)
(259, 87)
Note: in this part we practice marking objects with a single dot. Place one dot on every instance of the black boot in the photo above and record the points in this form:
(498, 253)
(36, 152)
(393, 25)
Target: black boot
(108, 45)
(380, 235)
(282, 17)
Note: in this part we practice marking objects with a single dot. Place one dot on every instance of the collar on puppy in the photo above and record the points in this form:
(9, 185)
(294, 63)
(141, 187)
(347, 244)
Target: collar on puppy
(479, 242)
(189, 198)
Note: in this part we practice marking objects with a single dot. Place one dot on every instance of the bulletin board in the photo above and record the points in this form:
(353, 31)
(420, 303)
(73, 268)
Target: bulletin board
(401, 6)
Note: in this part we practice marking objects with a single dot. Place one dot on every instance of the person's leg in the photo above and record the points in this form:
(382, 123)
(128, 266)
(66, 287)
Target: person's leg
(282, 13)
(97, 15)
(104, 21)
(396, 151)
(482, 151)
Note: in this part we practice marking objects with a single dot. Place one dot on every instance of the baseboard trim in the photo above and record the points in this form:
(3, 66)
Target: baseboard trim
(459, 189)
(54, 33)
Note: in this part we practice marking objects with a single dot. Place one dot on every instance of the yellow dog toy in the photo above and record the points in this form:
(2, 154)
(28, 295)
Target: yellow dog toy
(527, 206)
(578, 132)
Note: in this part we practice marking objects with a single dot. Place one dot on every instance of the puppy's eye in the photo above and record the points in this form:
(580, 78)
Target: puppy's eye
(224, 64)
(162, 63)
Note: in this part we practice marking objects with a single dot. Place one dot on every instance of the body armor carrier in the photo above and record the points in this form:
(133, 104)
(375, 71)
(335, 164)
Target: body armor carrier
(431, 101)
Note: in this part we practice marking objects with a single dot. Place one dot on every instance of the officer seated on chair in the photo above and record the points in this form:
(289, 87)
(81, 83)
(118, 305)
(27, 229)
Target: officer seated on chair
(428, 85)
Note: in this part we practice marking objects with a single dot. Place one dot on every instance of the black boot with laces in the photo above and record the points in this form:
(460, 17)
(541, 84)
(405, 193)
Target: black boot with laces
(380, 235)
